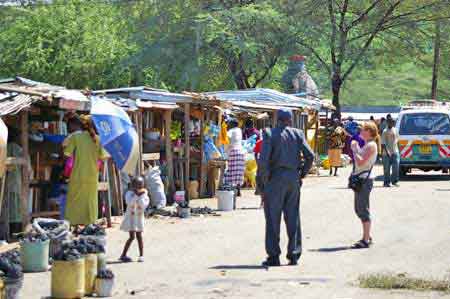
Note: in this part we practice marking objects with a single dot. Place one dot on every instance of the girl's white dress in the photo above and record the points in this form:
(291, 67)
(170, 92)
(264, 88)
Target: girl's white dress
(134, 218)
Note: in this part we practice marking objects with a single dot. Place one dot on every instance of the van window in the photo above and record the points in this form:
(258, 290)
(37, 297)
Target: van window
(425, 124)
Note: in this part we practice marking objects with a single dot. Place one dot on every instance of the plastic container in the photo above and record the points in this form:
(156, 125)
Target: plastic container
(152, 135)
(184, 212)
(101, 262)
(179, 196)
(34, 256)
(225, 200)
(193, 189)
(90, 273)
(104, 287)
(68, 279)
(2, 289)
(12, 288)
(54, 138)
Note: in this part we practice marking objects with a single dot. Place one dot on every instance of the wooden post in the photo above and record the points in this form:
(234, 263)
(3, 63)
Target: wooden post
(187, 147)
(139, 120)
(25, 171)
(274, 119)
(326, 131)
(169, 153)
(119, 188)
(203, 165)
(4, 214)
(316, 136)
(116, 201)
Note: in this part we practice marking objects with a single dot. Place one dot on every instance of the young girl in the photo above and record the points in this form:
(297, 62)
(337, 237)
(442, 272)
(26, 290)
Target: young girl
(137, 201)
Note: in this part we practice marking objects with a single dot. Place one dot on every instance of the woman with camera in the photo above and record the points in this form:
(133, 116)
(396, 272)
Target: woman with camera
(361, 180)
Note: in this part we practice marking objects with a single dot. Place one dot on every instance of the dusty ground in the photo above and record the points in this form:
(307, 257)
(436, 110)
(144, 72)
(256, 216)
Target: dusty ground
(219, 257)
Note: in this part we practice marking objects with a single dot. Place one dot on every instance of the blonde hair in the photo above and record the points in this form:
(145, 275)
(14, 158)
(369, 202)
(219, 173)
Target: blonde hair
(372, 128)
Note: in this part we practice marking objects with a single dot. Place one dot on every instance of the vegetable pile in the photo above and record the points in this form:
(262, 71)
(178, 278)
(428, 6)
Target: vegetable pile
(93, 230)
(10, 264)
(76, 249)
(105, 274)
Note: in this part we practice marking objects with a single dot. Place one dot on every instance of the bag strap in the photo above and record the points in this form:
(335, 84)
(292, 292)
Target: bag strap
(362, 172)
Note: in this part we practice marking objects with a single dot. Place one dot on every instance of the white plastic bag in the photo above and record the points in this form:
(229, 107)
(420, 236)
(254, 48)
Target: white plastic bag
(155, 187)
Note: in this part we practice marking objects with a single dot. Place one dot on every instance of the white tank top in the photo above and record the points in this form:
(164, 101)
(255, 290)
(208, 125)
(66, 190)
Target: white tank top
(365, 167)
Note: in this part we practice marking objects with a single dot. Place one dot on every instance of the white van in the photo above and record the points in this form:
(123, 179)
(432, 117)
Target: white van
(424, 141)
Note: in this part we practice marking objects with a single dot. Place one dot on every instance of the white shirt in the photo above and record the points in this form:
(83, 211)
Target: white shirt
(235, 136)
(369, 163)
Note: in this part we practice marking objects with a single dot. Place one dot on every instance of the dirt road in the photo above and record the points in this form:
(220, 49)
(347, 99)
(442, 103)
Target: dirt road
(219, 257)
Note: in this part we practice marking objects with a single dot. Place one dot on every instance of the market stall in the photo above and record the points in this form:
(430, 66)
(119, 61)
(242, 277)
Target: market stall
(172, 129)
(34, 114)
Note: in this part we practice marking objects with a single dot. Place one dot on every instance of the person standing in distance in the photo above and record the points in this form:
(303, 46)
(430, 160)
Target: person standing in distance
(390, 154)
(285, 160)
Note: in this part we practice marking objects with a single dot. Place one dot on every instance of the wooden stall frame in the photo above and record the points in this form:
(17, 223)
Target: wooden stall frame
(187, 147)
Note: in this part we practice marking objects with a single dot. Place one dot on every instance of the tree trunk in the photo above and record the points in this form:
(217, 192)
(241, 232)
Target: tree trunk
(336, 84)
(436, 61)
(240, 81)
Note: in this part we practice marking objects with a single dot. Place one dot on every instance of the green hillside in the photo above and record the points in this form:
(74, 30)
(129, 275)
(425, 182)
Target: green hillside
(381, 87)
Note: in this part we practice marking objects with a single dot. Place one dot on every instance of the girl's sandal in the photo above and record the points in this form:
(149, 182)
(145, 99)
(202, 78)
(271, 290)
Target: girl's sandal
(361, 244)
(125, 259)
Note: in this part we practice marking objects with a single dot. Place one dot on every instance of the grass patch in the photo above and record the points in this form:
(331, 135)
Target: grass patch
(403, 281)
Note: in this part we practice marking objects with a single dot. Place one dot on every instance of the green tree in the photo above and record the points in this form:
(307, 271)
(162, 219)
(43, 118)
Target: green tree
(68, 43)
(341, 34)
(250, 39)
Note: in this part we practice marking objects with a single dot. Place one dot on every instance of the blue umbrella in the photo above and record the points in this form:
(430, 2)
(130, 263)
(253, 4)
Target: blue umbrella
(117, 134)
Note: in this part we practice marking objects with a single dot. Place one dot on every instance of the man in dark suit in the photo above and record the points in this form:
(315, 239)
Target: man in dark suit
(285, 160)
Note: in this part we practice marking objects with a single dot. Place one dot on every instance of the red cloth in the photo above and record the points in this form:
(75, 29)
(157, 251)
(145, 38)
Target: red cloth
(258, 145)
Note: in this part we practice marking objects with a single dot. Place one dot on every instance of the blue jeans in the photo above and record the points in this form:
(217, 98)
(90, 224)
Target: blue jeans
(391, 162)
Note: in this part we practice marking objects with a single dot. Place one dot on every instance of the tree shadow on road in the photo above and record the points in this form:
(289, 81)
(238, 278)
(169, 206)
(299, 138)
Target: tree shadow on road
(238, 267)
(331, 249)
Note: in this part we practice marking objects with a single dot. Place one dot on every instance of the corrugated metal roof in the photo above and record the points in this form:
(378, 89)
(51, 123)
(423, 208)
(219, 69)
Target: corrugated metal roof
(11, 103)
(156, 105)
(266, 96)
(259, 106)
(19, 93)
(150, 94)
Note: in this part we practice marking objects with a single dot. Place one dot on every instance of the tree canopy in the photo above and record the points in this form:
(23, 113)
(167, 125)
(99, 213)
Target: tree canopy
(358, 51)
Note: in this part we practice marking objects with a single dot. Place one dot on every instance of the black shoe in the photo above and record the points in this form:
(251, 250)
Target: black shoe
(293, 262)
(293, 259)
(272, 262)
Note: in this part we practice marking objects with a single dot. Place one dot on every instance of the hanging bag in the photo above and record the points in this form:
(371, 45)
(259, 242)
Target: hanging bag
(355, 181)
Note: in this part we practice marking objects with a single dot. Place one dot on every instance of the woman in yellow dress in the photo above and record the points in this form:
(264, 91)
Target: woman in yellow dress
(82, 198)
(336, 143)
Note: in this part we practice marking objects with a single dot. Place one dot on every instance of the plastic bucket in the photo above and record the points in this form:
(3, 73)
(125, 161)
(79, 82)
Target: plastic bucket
(90, 273)
(184, 212)
(104, 287)
(179, 196)
(2, 289)
(225, 200)
(12, 288)
(101, 262)
(34, 256)
(68, 279)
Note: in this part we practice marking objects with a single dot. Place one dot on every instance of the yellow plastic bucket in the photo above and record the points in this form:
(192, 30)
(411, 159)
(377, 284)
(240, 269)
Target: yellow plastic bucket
(68, 279)
(2, 289)
(90, 273)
